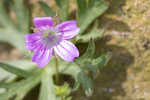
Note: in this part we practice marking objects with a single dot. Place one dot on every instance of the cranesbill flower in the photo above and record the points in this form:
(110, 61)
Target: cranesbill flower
(51, 39)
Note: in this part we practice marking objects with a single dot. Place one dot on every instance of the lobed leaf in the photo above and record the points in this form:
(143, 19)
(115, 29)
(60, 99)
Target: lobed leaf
(86, 83)
(90, 14)
(101, 60)
(25, 65)
(93, 34)
(21, 88)
(90, 50)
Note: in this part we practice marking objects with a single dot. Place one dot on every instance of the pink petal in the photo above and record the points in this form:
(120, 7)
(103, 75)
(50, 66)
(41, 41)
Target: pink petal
(69, 29)
(66, 50)
(40, 22)
(33, 40)
(42, 57)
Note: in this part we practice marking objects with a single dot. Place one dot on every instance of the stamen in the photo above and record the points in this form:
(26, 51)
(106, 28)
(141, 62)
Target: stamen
(48, 32)
(45, 34)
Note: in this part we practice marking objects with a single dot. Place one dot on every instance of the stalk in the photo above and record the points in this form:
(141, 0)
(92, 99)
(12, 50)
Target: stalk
(57, 70)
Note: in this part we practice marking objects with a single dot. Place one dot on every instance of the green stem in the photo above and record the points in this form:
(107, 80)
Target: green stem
(62, 98)
(57, 70)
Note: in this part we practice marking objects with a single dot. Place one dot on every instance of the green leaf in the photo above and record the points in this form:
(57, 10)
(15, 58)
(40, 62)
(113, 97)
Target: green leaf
(63, 9)
(22, 14)
(21, 88)
(101, 60)
(48, 11)
(4, 17)
(47, 91)
(69, 68)
(93, 34)
(82, 5)
(86, 58)
(90, 14)
(11, 29)
(90, 50)
(91, 3)
(4, 85)
(15, 70)
(6, 76)
(6, 33)
(80, 77)
(23, 91)
(77, 69)
(86, 83)
(23, 64)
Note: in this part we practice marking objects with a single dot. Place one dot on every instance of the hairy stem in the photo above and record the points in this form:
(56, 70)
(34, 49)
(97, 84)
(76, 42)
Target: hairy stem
(57, 70)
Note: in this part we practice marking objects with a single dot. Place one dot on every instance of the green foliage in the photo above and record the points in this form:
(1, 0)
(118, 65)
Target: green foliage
(82, 70)
(86, 82)
(93, 34)
(48, 11)
(63, 9)
(20, 89)
(14, 70)
(89, 64)
(88, 11)
(88, 14)
(17, 64)
(81, 6)
(15, 30)
(90, 51)
(22, 14)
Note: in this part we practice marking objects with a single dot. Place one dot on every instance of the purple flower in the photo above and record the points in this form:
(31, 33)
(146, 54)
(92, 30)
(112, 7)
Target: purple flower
(50, 40)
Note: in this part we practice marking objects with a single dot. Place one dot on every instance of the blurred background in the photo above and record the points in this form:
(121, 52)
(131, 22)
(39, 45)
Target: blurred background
(127, 37)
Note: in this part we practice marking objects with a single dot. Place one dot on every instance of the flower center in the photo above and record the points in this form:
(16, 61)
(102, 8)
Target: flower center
(48, 32)
(51, 37)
